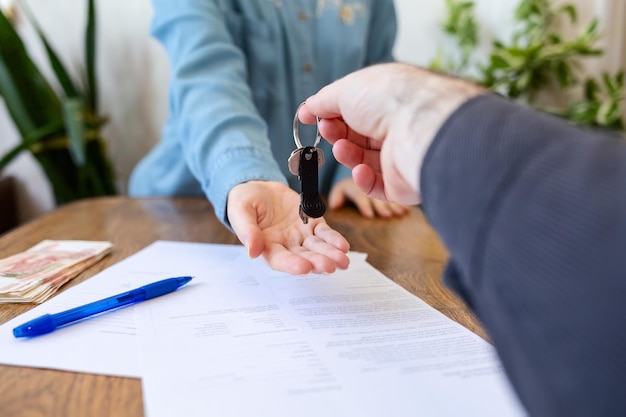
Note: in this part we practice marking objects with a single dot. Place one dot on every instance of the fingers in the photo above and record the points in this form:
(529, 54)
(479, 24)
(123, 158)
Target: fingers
(368, 181)
(324, 104)
(332, 237)
(307, 117)
(306, 262)
(321, 253)
(351, 155)
(252, 238)
(326, 249)
(336, 197)
(281, 259)
(265, 218)
(335, 128)
(243, 220)
(364, 204)
(369, 207)
(388, 209)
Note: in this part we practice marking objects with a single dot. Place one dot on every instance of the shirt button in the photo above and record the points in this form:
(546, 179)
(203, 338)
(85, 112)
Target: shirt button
(302, 16)
(307, 68)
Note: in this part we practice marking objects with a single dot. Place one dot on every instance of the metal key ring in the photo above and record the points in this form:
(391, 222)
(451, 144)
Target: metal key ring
(296, 135)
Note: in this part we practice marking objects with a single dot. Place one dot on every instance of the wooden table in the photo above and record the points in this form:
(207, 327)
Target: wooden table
(406, 250)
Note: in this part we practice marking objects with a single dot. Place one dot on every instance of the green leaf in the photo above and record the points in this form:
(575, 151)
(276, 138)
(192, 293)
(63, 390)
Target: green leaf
(437, 62)
(570, 10)
(592, 28)
(63, 136)
(461, 26)
(583, 112)
(520, 52)
(524, 81)
(90, 57)
(564, 74)
(75, 126)
(29, 98)
(606, 113)
(591, 89)
(55, 62)
(14, 103)
(614, 85)
(9, 156)
(498, 61)
(554, 38)
(61, 174)
(609, 83)
(35, 136)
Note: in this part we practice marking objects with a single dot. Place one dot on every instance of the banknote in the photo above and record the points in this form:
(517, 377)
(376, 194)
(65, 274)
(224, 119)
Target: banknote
(36, 274)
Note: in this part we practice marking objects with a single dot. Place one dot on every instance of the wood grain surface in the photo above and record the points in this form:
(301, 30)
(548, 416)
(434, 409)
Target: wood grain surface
(406, 250)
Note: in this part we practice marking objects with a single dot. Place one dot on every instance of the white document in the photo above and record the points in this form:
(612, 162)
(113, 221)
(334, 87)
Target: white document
(244, 340)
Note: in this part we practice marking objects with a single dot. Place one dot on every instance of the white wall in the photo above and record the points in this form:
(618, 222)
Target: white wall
(420, 35)
(133, 69)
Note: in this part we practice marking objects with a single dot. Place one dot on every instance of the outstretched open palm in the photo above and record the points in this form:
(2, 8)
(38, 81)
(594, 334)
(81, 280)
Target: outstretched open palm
(264, 215)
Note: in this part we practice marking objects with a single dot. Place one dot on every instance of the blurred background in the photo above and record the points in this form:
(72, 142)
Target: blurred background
(133, 70)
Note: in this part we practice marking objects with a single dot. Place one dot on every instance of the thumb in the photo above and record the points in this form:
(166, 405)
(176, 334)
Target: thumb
(243, 220)
(336, 197)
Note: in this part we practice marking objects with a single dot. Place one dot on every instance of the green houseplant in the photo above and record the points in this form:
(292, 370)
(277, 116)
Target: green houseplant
(60, 129)
(536, 60)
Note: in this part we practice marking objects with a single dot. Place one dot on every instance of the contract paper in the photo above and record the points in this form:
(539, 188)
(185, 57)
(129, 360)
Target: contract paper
(242, 339)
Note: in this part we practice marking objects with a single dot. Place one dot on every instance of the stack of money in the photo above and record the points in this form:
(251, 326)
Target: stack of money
(36, 274)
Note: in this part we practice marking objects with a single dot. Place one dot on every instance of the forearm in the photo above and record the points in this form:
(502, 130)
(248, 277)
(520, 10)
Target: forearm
(222, 136)
(532, 211)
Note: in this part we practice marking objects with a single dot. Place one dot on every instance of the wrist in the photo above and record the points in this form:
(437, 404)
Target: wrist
(436, 97)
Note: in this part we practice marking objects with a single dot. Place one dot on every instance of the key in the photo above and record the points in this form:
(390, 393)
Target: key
(294, 168)
(311, 204)
(305, 162)
(294, 161)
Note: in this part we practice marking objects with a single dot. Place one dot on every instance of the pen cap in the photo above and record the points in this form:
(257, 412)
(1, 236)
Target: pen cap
(40, 325)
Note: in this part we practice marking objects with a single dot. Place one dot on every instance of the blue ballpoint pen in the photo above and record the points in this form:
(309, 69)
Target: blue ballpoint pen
(50, 322)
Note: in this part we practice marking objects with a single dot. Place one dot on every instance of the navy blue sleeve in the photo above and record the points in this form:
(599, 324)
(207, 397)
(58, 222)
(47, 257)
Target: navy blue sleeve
(533, 212)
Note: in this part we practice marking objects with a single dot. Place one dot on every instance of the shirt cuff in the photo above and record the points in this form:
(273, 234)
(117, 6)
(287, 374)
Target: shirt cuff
(238, 166)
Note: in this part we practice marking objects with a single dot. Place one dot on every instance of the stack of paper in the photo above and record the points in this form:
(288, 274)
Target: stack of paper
(244, 340)
(34, 275)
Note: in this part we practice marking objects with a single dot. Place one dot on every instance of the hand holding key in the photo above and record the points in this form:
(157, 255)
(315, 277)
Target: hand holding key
(304, 162)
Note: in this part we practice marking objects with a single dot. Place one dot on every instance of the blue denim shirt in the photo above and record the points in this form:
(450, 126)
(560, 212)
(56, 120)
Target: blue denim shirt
(239, 70)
